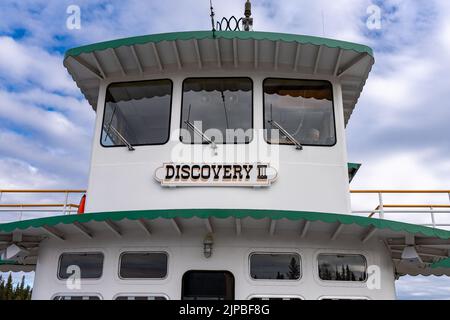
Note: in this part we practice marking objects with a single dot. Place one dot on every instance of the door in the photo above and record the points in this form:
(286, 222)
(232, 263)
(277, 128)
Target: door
(207, 285)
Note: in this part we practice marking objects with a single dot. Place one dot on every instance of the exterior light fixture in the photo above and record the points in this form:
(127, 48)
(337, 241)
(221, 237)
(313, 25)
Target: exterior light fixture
(208, 245)
(410, 255)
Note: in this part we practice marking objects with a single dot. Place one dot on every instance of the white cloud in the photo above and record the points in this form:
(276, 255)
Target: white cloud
(21, 63)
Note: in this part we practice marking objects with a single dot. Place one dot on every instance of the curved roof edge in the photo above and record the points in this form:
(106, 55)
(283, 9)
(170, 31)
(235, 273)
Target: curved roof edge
(227, 213)
(199, 35)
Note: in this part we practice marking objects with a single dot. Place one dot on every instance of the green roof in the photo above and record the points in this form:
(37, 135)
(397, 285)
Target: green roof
(445, 263)
(227, 213)
(7, 262)
(200, 35)
(353, 169)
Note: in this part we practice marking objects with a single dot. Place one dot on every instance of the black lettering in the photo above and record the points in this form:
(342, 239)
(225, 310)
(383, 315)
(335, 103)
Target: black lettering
(197, 175)
(227, 172)
(216, 171)
(248, 169)
(178, 173)
(262, 173)
(237, 172)
(206, 175)
(170, 171)
(185, 173)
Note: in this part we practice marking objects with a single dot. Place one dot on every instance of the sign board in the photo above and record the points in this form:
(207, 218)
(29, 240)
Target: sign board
(221, 175)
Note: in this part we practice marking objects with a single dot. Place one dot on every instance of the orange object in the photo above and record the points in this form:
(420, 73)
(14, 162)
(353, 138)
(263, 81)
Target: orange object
(82, 205)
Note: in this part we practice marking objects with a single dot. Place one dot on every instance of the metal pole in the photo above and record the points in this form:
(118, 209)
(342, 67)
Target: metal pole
(433, 220)
(65, 203)
(380, 199)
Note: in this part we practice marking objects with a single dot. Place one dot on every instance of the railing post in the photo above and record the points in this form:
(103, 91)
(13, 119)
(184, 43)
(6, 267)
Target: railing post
(433, 220)
(1, 194)
(21, 213)
(380, 199)
(65, 203)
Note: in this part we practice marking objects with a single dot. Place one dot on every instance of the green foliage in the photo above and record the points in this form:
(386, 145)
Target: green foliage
(10, 292)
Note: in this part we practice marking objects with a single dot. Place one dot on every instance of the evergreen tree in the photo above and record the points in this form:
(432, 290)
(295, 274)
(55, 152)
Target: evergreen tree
(2, 288)
(9, 288)
(10, 292)
(294, 269)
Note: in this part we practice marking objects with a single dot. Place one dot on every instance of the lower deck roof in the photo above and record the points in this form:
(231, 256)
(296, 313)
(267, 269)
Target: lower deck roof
(432, 244)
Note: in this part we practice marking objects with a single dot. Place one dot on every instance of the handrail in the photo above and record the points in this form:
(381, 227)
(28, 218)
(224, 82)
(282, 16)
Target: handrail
(433, 209)
(42, 191)
(401, 191)
(409, 206)
(40, 205)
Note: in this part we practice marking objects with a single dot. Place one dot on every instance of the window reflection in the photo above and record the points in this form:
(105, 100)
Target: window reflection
(138, 112)
(304, 108)
(221, 108)
(275, 266)
(143, 265)
(334, 267)
(90, 264)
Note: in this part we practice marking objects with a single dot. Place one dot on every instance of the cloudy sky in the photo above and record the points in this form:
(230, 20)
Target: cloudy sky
(399, 131)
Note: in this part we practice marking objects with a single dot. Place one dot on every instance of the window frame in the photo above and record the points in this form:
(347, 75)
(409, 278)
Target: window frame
(338, 298)
(333, 105)
(268, 297)
(97, 295)
(169, 120)
(351, 283)
(223, 143)
(278, 281)
(80, 253)
(155, 295)
(143, 279)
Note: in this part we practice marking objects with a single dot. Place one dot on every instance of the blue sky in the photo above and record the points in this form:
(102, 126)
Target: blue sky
(400, 130)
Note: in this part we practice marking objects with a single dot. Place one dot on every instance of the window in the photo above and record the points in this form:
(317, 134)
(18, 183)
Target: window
(68, 297)
(274, 298)
(303, 108)
(143, 265)
(137, 113)
(220, 109)
(342, 267)
(90, 265)
(145, 298)
(208, 285)
(344, 298)
(277, 266)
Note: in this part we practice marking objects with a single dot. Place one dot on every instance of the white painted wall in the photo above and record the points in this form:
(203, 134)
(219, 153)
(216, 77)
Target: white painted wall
(230, 253)
(314, 179)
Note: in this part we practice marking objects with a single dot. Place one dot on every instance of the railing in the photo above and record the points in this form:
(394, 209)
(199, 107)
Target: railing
(65, 203)
(61, 206)
(383, 209)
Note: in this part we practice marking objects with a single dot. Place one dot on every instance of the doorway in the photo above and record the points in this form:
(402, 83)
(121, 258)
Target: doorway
(207, 285)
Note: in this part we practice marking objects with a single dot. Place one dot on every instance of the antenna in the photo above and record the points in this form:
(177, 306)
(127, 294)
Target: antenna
(247, 21)
(212, 18)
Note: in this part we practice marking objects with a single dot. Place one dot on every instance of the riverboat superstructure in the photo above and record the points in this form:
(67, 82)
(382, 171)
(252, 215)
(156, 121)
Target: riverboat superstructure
(219, 170)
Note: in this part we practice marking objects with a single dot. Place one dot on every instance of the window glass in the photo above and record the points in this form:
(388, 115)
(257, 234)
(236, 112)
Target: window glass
(280, 266)
(342, 267)
(274, 298)
(145, 298)
(220, 108)
(303, 108)
(76, 298)
(143, 265)
(137, 113)
(90, 265)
